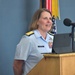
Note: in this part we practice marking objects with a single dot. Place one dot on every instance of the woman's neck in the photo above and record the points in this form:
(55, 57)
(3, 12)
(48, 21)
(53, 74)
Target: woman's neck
(43, 33)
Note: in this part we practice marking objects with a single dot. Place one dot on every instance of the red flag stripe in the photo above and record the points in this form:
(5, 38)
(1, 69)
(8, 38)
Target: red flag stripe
(49, 5)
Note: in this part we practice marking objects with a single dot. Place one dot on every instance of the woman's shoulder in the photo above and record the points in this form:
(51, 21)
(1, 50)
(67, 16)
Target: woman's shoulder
(29, 33)
(51, 34)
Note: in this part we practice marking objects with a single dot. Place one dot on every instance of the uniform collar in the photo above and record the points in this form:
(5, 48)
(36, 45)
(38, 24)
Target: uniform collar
(38, 35)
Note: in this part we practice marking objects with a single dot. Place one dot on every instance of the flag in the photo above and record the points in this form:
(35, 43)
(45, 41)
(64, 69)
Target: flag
(55, 9)
(54, 26)
(52, 5)
(49, 5)
(42, 3)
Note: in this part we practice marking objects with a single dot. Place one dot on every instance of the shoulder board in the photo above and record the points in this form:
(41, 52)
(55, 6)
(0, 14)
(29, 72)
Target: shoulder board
(29, 33)
(51, 33)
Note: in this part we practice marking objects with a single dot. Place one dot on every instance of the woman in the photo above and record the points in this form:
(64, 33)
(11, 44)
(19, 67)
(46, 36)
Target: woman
(34, 43)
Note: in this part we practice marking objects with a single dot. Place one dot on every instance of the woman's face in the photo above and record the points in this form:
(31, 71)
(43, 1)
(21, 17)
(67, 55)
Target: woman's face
(45, 22)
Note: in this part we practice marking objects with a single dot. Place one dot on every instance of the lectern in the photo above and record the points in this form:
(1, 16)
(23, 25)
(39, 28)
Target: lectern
(55, 64)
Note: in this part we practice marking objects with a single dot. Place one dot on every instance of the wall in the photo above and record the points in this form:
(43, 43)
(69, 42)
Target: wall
(15, 16)
(66, 11)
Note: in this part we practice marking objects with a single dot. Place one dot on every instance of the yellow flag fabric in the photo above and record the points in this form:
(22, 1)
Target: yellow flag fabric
(55, 9)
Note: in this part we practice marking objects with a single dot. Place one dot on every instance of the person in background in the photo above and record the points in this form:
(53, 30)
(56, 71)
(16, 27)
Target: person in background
(34, 43)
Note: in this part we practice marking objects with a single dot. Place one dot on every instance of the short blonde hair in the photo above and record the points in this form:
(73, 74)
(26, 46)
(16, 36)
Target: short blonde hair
(36, 17)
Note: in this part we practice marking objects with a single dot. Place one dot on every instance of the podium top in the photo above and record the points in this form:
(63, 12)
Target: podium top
(59, 55)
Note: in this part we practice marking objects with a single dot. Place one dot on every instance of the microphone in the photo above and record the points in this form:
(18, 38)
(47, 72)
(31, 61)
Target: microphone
(68, 22)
